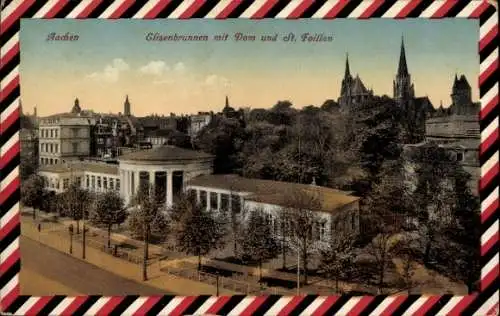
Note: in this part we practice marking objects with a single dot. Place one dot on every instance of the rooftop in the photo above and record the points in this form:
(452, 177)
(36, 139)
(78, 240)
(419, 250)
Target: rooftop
(275, 192)
(82, 166)
(166, 153)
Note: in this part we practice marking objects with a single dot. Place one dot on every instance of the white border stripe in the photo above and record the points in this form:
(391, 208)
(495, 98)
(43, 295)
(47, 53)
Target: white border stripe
(78, 9)
(356, 13)
(97, 306)
(205, 306)
(490, 129)
(278, 306)
(9, 178)
(490, 232)
(111, 9)
(288, 9)
(8, 10)
(172, 305)
(488, 165)
(218, 9)
(313, 306)
(490, 95)
(454, 301)
(45, 9)
(135, 306)
(8, 144)
(8, 79)
(62, 306)
(491, 265)
(238, 309)
(145, 9)
(181, 9)
(348, 306)
(10, 43)
(467, 11)
(396, 8)
(14, 245)
(9, 110)
(415, 306)
(488, 61)
(382, 306)
(489, 200)
(492, 301)
(27, 305)
(253, 8)
(490, 24)
(322, 12)
(433, 8)
(14, 211)
(9, 287)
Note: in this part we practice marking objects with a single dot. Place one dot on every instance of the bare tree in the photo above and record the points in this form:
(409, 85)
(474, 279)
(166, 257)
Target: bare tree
(301, 215)
(380, 249)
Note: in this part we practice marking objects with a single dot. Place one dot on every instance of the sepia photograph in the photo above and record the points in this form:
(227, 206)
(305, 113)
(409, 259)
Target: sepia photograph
(208, 157)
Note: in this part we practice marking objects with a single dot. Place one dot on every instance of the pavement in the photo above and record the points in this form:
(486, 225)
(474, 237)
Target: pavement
(45, 269)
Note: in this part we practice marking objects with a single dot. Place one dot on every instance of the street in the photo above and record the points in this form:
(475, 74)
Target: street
(41, 263)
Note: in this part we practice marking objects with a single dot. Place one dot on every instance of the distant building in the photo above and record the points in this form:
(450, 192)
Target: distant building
(65, 137)
(198, 122)
(353, 91)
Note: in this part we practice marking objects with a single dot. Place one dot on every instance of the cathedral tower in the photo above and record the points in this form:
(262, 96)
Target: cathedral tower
(126, 107)
(402, 85)
(461, 95)
(345, 90)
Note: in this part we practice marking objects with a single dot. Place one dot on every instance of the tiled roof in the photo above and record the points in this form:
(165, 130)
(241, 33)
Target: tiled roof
(166, 153)
(82, 166)
(275, 192)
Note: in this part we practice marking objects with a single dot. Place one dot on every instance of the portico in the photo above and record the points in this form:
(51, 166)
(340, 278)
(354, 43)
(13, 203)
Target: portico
(167, 168)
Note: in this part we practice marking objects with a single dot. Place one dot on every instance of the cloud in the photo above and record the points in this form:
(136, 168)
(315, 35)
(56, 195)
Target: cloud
(180, 67)
(217, 81)
(111, 72)
(156, 68)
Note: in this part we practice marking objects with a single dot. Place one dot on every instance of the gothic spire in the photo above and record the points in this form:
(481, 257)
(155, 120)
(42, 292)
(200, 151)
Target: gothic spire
(403, 68)
(347, 70)
(227, 102)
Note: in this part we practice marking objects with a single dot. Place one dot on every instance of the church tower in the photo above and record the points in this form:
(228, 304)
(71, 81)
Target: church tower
(461, 95)
(76, 107)
(403, 87)
(345, 90)
(126, 107)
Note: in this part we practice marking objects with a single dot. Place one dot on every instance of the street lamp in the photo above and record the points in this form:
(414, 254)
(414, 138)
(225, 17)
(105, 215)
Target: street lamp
(70, 228)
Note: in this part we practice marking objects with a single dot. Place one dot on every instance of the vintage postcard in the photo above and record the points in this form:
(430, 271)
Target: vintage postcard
(223, 165)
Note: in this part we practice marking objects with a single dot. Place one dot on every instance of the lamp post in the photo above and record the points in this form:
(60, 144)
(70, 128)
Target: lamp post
(70, 228)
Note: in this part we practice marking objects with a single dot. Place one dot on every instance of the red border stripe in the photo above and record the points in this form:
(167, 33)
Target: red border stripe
(228, 9)
(300, 9)
(479, 10)
(487, 279)
(70, 310)
(288, 309)
(192, 9)
(9, 190)
(147, 305)
(488, 177)
(9, 88)
(121, 9)
(336, 9)
(444, 9)
(8, 227)
(394, 305)
(483, 42)
(489, 107)
(10, 297)
(485, 74)
(55, 9)
(490, 243)
(37, 307)
(110, 305)
(360, 306)
(15, 16)
(221, 301)
(10, 261)
(431, 301)
(486, 214)
(9, 120)
(179, 310)
(323, 308)
(258, 300)
(88, 9)
(407, 9)
(8, 156)
(9, 55)
(490, 140)
(464, 302)
(371, 9)
(153, 13)
(264, 9)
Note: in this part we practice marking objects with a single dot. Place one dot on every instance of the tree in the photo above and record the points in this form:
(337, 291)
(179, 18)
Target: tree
(337, 259)
(32, 192)
(258, 243)
(302, 218)
(380, 249)
(108, 210)
(200, 232)
(77, 202)
(28, 166)
(149, 219)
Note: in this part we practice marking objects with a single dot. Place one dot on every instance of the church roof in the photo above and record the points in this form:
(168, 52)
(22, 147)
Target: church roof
(166, 153)
(461, 83)
(358, 87)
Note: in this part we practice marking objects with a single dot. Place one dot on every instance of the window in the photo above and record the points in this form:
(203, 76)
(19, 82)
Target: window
(224, 201)
(322, 230)
(105, 183)
(100, 141)
(99, 182)
(117, 184)
(93, 182)
(75, 147)
(51, 148)
(203, 198)
(111, 184)
(236, 204)
(65, 183)
(57, 148)
(88, 181)
(51, 133)
(79, 181)
(213, 200)
(460, 156)
(56, 132)
(74, 131)
(353, 221)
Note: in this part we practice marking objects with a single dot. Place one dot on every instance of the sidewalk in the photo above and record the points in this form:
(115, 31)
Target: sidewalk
(158, 279)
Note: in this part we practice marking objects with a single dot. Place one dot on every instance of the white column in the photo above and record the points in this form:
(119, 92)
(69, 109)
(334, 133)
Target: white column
(136, 181)
(219, 202)
(208, 200)
(152, 178)
(230, 203)
(198, 200)
(169, 190)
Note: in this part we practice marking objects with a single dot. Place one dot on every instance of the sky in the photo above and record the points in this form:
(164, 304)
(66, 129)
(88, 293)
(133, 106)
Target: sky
(112, 59)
